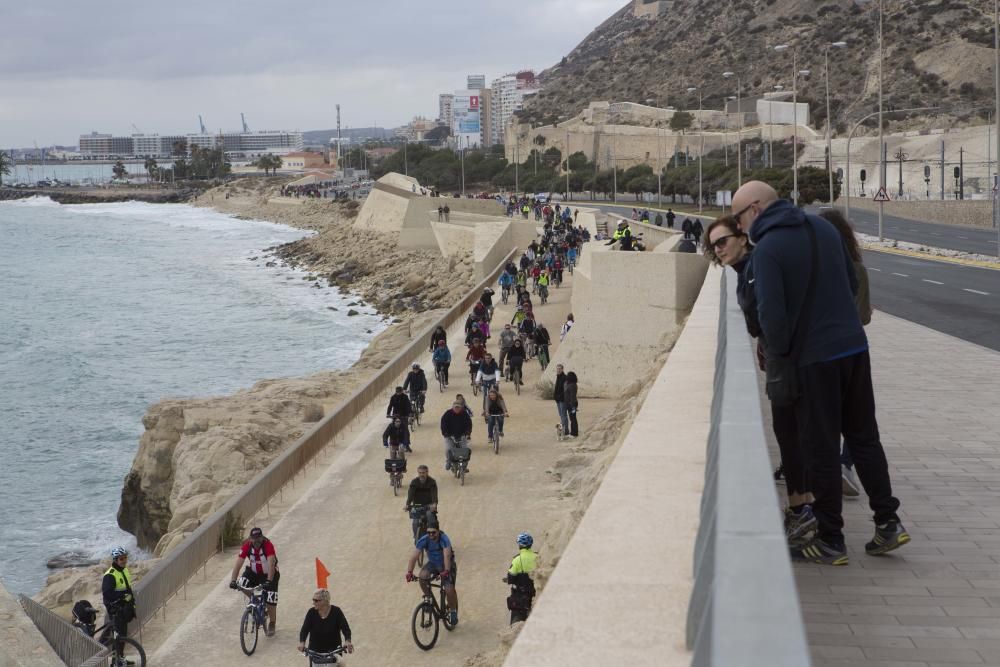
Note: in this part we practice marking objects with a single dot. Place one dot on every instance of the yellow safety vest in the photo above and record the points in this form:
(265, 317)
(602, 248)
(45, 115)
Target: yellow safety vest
(123, 578)
(524, 562)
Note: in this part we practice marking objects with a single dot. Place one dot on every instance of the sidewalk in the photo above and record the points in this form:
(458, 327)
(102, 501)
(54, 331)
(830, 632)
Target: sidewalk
(936, 601)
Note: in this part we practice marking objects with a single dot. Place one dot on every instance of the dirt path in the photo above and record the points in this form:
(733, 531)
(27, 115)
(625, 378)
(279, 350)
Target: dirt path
(351, 521)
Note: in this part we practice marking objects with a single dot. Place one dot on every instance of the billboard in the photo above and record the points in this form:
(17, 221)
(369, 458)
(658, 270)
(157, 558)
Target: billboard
(466, 123)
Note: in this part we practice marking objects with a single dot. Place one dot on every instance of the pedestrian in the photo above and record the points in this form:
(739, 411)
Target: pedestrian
(570, 400)
(686, 226)
(671, 216)
(697, 230)
(440, 213)
(567, 325)
(559, 396)
(447, 213)
(658, 220)
(818, 360)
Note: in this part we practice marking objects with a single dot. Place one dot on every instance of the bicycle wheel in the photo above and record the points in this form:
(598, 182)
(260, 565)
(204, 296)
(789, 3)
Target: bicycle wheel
(446, 613)
(461, 474)
(425, 626)
(475, 388)
(394, 482)
(496, 440)
(132, 653)
(249, 631)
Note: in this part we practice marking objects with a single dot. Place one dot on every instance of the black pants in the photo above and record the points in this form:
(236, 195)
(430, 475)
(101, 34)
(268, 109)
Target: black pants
(574, 429)
(786, 432)
(837, 397)
(503, 357)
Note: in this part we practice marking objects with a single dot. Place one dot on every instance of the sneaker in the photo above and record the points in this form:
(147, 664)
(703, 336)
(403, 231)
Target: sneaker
(406, 448)
(818, 551)
(779, 473)
(888, 537)
(270, 630)
(849, 482)
(798, 525)
(453, 618)
(501, 434)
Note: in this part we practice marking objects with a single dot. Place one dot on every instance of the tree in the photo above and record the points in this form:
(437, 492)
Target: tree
(119, 170)
(578, 161)
(152, 168)
(180, 148)
(680, 121)
(539, 140)
(269, 163)
(6, 164)
(438, 135)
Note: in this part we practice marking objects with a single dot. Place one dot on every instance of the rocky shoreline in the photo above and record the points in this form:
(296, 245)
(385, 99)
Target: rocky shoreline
(103, 195)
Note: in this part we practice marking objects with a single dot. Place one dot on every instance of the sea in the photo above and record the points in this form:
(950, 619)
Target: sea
(106, 309)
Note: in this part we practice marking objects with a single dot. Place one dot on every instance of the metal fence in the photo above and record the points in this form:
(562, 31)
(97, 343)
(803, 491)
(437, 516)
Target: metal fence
(744, 608)
(72, 646)
(174, 570)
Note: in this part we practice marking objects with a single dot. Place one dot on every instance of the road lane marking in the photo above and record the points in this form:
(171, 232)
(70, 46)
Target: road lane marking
(872, 268)
(901, 275)
(964, 237)
(935, 234)
(933, 282)
(975, 291)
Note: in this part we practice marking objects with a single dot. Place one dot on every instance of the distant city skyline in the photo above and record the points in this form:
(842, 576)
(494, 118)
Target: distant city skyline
(71, 68)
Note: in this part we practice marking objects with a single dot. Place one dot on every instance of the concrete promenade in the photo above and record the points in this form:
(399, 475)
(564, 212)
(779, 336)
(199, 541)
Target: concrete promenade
(936, 601)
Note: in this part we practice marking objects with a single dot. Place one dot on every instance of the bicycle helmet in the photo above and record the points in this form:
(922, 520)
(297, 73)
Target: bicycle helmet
(118, 552)
(416, 366)
(524, 541)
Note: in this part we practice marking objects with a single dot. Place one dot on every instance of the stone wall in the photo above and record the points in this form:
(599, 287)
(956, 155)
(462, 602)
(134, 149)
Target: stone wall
(20, 641)
(972, 213)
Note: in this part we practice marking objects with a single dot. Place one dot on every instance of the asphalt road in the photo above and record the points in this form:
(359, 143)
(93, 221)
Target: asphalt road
(952, 237)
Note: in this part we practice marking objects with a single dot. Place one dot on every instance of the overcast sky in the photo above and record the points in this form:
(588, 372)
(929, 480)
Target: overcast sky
(69, 67)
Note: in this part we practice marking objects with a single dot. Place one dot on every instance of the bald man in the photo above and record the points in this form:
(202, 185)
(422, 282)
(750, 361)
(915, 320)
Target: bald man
(834, 367)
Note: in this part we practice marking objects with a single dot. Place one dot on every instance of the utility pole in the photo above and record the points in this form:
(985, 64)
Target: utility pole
(881, 171)
(961, 173)
(901, 156)
(996, 115)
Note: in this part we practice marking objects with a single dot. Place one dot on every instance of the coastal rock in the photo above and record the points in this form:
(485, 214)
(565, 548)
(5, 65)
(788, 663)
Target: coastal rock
(70, 559)
(352, 313)
(65, 587)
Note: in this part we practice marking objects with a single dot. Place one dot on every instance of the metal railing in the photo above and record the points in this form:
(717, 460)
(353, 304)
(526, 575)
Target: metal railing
(174, 570)
(744, 608)
(72, 646)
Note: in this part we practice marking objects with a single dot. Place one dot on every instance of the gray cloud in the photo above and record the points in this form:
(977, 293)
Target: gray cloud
(70, 67)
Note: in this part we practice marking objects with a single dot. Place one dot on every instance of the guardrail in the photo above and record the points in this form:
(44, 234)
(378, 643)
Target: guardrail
(72, 646)
(744, 608)
(174, 570)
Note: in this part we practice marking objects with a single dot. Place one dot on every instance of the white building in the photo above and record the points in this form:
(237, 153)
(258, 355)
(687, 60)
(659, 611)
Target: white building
(446, 103)
(508, 95)
(475, 82)
(235, 144)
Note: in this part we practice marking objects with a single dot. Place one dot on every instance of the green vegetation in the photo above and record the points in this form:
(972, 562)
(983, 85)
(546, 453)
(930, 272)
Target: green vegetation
(152, 168)
(681, 121)
(6, 165)
(119, 170)
(269, 163)
(204, 164)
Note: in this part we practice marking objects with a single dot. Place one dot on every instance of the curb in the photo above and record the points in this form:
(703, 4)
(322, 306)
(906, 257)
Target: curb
(981, 264)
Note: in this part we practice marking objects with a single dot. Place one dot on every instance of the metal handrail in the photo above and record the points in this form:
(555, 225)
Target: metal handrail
(744, 607)
(72, 646)
(174, 569)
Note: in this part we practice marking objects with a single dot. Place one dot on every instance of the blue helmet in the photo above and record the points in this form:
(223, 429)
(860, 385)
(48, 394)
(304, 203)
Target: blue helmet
(524, 541)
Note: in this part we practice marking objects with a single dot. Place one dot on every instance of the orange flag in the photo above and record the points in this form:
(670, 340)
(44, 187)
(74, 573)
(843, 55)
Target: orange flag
(321, 574)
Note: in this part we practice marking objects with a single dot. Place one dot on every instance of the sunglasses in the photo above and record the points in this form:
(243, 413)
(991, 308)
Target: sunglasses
(721, 241)
(748, 207)
(317, 599)
(432, 532)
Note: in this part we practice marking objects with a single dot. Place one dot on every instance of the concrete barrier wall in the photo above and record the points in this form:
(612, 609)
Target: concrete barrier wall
(973, 213)
(619, 595)
(493, 241)
(21, 643)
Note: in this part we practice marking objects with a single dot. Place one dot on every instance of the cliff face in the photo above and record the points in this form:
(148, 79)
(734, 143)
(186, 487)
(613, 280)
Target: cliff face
(937, 53)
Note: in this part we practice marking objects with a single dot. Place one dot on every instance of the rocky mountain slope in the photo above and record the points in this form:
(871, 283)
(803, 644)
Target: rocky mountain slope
(937, 53)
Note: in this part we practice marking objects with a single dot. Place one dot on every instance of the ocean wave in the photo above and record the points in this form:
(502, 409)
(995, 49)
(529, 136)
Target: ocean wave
(29, 202)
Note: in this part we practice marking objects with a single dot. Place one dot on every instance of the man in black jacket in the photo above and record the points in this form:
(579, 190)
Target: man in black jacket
(559, 396)
(399, 405)
(422, 493)
(455, 423)
(833, 364)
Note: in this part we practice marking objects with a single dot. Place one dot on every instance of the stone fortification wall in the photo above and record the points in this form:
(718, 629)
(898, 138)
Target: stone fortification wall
(974, 213)
(20, 641)
(626, 306)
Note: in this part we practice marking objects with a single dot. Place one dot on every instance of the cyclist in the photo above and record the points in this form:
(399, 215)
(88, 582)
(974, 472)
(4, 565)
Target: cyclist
(416, 382)
(506, 282)
(527, 329)
(398, 433)
(116, 591)
(438, 336)
(487, 300)
(399, 405)
(557, 271)
(475, 356)
(507, 337)
(455, 423)
(423, 491)
(515, 359)
(522, 588)
(475, 332)
(571, 255)
(488, 374)
(543, 285)
(542, 340)
(324, 625)
(442, 360)
(440, 560)
(519, 315)
(261, 570)
(494, 410)
(479, 310)
(521, 279)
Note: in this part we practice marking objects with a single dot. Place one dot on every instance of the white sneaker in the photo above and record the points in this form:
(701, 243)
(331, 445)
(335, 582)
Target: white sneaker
(849, 482)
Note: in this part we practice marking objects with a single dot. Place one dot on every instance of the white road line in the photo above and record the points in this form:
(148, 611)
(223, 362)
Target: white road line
(901, 275)
(964, 237)
(871, 268)
(932, 282)
(975, 291)
(935, 234)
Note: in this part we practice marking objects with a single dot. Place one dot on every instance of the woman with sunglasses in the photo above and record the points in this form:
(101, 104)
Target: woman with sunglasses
(324, 625)
(726, 245)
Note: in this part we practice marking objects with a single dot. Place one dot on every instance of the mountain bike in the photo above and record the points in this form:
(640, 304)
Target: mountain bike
(328, 658)
(395, 465)
(428, 615)
(439, 375)
(124, 650)
(458, 457)
(417, 403)
(515, 377)
(504, 294)
(253, 619)
(473, 370)
(497, 435)
(543, 293)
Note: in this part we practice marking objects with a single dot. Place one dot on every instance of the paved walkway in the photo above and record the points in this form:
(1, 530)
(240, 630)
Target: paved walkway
(936, 601)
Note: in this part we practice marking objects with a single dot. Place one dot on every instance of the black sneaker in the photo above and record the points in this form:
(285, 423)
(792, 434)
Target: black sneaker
(818, 551)
(888, 537)
(798, 525)
(779, 473)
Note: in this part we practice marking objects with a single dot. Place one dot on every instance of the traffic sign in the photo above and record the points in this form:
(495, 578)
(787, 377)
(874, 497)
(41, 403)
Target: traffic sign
(882, 195)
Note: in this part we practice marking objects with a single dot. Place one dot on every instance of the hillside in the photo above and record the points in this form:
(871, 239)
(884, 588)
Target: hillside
(937, 52)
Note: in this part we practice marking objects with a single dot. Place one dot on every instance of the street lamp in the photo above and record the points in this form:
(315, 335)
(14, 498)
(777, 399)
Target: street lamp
(796, 72)
(659, 167)
(829, 127)
(739, 131)
(770, 126)
(996, 114)
(701, 152)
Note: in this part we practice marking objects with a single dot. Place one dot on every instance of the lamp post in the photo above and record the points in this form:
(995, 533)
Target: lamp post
(770, 126)
(996, 114)
(829, 121)
(701, 133)
(881, 152)
(659, 166)
(796, 72)
(739, 129)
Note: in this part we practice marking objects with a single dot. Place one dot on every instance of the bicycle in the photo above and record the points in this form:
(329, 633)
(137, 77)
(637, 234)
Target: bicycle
(124, 650)
(439, 375)
(327, 658)
(504, 294)
(395, 465)
(515, 377)
(417, 401)
(497, 435)
(428, 615)
(253, 619)
(485, 387)
(543, 293)
(473, 370)
(458, 457)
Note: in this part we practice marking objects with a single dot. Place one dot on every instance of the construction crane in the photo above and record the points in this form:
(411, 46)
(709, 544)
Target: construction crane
(137, 130)
(202, 123)
(244, 121)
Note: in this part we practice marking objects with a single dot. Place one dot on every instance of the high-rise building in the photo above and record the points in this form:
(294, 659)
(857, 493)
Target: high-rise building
(508, 95)
(445, 104)
(486, 118)
(466, 125)
(475, 82)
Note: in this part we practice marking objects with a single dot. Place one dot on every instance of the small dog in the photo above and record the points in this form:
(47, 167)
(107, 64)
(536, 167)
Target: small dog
(559, 432)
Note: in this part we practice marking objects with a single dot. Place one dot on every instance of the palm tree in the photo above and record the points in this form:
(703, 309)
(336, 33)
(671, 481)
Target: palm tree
(6, 162)
(119, 170)
(152, 168)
